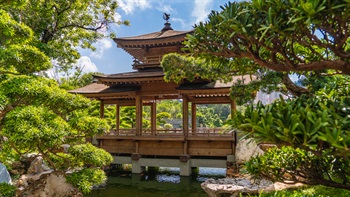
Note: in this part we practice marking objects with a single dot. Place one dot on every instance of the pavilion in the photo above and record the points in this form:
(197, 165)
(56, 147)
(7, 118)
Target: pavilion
(145, 87)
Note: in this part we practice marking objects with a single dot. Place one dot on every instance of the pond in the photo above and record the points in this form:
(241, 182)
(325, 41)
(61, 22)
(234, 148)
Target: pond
(164, 182)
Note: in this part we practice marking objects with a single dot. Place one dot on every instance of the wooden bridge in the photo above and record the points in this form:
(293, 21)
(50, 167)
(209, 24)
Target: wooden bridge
(207, 142)
(170, 148)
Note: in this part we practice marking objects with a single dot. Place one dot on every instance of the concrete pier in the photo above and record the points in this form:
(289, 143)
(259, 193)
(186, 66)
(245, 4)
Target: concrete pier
(185, 163)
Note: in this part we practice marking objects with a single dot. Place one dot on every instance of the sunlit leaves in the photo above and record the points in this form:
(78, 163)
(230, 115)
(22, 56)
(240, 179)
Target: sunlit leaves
(285, 36)
(60, 27)
(300, 122)
(18, 51)
(287, 164)
(90, 155)
(89, 126)
(33, 128)
(86, 178)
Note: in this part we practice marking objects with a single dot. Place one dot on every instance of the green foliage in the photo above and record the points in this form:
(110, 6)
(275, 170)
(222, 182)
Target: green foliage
(265, 38)
(313, 191)
(161, 117)
(90, 155)
(316, 129)
(288, 164)
(33, 128)
(86, 178)
(7, 190)
(212, 116)
(58, 34)
(316, 123)
(36, 115)
(89, 126)
(17, 47)
(168, 126)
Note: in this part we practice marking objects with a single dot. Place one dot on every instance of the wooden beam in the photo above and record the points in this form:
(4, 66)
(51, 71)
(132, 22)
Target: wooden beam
(129, 102)
(185, 114)
(233, 108)
(211, 100)
(117, 117)
(154, 118)
(193, 117)
(138, 115)
(102, 109)
(206, 91)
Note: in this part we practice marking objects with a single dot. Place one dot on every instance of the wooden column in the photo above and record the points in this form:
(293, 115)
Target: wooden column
(117, 117)
(138, 115)
(185, 114)
(102, 109)
(154, 117)
(233, 108)
(233, 113)
(193, 117)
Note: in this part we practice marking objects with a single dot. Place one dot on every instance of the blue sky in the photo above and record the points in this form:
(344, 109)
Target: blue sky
(145, 16)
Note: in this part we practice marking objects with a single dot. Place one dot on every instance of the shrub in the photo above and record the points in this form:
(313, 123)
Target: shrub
(7, 190)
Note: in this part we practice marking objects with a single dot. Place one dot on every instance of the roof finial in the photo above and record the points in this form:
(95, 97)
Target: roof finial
(167, 26)
(166, 17)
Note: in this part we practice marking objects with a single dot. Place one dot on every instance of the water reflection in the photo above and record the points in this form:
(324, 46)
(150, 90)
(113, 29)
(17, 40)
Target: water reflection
(165, 182)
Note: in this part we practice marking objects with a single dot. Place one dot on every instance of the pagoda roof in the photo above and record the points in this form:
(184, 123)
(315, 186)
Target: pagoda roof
(96, 89)
(132, 77)
(137, 46)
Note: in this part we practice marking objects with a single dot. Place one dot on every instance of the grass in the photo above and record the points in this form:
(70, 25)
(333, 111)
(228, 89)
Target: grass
(312, 191)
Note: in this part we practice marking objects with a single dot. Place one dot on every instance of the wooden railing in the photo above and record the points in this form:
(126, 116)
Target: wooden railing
(171, 132)
(209, 132)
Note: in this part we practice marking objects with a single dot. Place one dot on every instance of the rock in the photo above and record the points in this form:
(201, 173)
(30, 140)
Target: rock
(37, 166)
(4, 175)
(235, 186)
(45, 184)
(65, 148)
(246, 149)
(17, 164)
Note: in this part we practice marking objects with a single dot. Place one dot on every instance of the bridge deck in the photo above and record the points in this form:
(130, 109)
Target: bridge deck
(203, 142)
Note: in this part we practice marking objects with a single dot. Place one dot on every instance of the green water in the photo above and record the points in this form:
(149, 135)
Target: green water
(159, 184)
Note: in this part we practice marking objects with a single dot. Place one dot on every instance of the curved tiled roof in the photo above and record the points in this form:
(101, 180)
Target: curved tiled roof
(154, 35)
(102, 89)
(137, 46)
(132, 75)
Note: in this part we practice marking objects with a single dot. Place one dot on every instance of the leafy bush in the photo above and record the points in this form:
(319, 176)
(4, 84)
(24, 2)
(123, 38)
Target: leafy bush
(90, 155)
(317, 131)
(288, 164)
(7, 190)
(85, 179)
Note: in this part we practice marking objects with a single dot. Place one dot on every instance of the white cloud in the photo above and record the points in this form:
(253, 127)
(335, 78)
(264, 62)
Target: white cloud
(184, 25)
(101, 46)
(129, 6)
(165, 8)
(86, 64)
(117, 17)
(201, 10)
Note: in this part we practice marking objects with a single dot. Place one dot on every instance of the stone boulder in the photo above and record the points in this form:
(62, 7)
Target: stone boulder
(246, 149)
(235, 186)
(45, 184)
(37, 166)
(4, 175)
